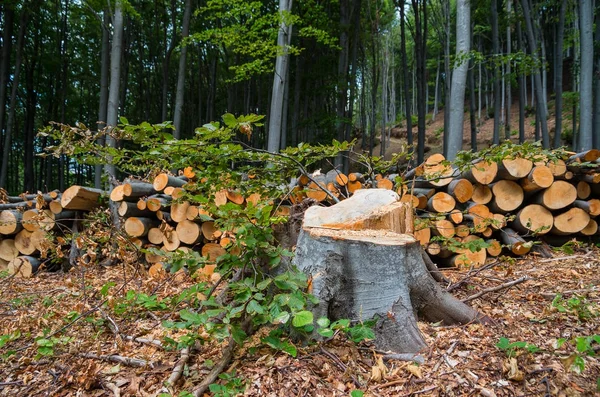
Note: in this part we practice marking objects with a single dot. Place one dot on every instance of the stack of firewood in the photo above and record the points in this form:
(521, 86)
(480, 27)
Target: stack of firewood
(155, 218)
(28, 219)
(508, 205)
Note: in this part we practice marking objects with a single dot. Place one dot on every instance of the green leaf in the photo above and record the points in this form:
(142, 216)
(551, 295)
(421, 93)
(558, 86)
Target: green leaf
(302, 318)
(281, 318)
(503, 344)
(290, 349)
(230, 120)
(123, 120)
(357, 393)
(254, 307)
(323, 322)
(238, 334)
(325, 332)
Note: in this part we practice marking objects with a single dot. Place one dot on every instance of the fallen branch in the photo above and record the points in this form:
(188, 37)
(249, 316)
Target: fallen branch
(497, 288)
(131, 362)
(146, 341)
(178, 369)
(562, 258)
(217, 369)
(470, 274)
(112, 387)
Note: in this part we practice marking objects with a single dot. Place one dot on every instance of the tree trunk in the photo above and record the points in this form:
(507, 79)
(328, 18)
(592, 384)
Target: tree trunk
(13, 102)
(112, 111)
(508, 77)
(8, 25)
(586, 21)
(181, 73)
(496, 66)
(558, 74)
(351, 265)
(102, 107)
(405, 79)
(281, 68)
(459, 78)
(420, 24)
(596, 130)
(541, 109)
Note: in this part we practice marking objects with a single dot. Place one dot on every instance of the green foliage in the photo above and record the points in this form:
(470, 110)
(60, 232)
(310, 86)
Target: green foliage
(577, 305)
(508, 150)
(45, 347)
(511, 348)
(232, 386)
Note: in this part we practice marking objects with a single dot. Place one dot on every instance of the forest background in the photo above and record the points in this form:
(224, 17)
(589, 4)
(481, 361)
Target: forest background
(318, 69)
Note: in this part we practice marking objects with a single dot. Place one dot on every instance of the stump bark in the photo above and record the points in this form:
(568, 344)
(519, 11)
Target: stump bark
(363, 266)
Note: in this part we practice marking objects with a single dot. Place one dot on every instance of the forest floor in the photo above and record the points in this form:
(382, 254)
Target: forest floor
(460, 360)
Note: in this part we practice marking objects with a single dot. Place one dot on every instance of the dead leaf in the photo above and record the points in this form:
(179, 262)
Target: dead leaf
(415, 370)
(514, 373)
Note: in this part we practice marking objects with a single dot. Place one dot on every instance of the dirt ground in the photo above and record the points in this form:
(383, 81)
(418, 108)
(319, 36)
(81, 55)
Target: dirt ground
(460, 360)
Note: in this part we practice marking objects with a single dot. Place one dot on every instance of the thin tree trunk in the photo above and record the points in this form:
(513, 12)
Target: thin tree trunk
(508, 72)
(297, 91)
(522, 89)
(496, 66)
(447, 73)
(13, 100)
(539, 95)
(421, 56)
(435, 97)
(167, 63)
(558, 74)
(596, 131)
(406, 81)
(459, 78)
(281, 67)
(9, 14)
(472, 109)
(185, 32)
(112, 111)
(102, 107)
(586, 74)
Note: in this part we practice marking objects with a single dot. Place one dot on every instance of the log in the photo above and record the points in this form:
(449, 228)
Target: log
(8, 251)
(433, 248)
(444, 228)
(539, 178)
(161, 181)
(390, 286)
(571, 221)
(441, 202)
(456, 216)
(179, 211)
(423, 235)
(508, 196)
(235, 197)
(189, 232)
(557, 167)
(533, 219)
(480, 215)
(584, 190)
(36, 219)
(136, 189)
(33, 197)
(592, 206)
(155, 236)
(385, 183)
(482, 194)
(412, 200)
(25, 243)
(117, 193)
(587, 156)
(23, 266)
(55, 206)
(127, 209)
(560, 195)
(171, 240)
(515, 243)
(462, 230)
(14, 206)
(494, 248)
(138, 226)
(513, 169)
(157, 202)
(10, 222)
(3, 265)
(80, 198)
(220, 197)
(590, 229)
(461, 190)
(213, 251)
(209, 231)
(164, 216)
(483, 172)
(436, 172)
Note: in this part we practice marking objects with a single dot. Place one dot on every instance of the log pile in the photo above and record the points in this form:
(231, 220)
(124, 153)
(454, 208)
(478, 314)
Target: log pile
(156, 216)
(490, 209)
(28, 221)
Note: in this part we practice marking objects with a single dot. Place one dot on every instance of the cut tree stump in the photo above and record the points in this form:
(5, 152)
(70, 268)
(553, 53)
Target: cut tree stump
(362, 266)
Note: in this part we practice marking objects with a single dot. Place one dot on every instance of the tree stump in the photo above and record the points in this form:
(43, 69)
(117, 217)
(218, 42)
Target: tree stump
(363, 265)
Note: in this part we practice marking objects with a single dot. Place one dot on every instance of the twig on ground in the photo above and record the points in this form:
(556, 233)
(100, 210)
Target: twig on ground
(497, 288)
(470, 274)
(339, 364)
(217, 369)
(178, 369)
(146, 341)
(131, 362)
(562, 258)
(15, 382)
(433, 269)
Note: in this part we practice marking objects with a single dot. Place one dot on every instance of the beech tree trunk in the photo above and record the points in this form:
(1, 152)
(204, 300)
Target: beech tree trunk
(364, 266)
(181, 73)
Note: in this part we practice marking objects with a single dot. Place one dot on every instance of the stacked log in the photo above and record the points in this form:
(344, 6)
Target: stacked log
(28, 221)
(492, 208)
(156, 215)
